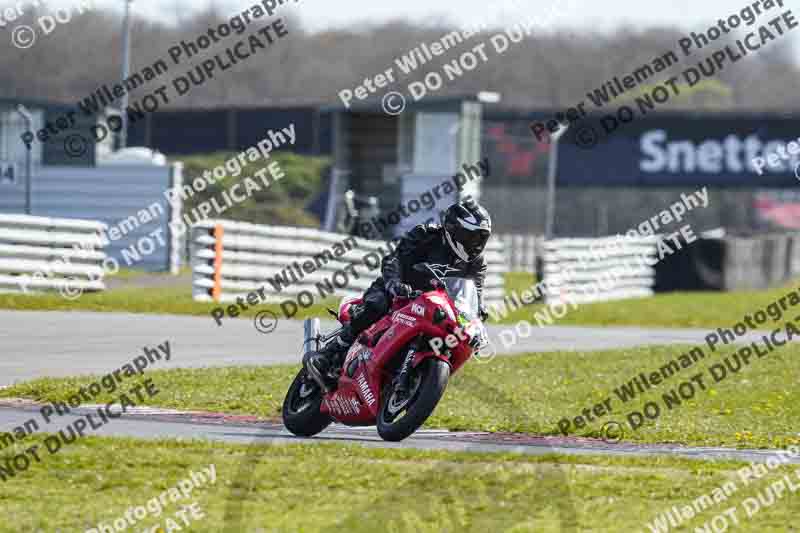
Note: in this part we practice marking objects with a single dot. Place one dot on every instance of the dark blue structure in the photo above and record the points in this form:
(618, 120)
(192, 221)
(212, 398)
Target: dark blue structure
(199, 131)
(670, 149)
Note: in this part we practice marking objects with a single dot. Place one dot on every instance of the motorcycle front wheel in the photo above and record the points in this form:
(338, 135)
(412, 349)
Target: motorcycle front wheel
(301, 414)
(399, 417)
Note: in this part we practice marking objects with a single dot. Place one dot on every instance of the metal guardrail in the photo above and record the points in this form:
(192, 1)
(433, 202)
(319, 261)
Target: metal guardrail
(129, 197)
(759, 261)
(593, 270)
(42, 253)
(521, 251)
(230, 259)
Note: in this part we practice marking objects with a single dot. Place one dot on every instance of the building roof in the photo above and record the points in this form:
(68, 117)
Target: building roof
(429, 103)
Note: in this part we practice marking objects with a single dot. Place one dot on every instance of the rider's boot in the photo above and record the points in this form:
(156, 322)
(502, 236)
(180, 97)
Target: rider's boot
(322, 364)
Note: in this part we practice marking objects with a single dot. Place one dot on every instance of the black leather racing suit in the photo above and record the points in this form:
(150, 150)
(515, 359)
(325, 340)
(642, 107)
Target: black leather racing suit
(423, 244)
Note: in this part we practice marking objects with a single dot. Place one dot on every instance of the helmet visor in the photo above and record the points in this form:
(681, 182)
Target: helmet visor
(472, 240)
(475, 241)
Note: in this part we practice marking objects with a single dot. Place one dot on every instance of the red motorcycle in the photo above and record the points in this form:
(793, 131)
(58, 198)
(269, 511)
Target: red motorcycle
(419, 344)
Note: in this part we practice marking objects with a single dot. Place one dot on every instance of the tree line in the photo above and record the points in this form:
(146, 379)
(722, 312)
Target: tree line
(553, 69)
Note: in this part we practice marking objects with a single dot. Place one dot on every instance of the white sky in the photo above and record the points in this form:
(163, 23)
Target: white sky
(606, 14)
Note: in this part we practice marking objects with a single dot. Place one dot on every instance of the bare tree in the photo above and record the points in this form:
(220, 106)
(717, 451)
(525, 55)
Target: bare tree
(551, 69)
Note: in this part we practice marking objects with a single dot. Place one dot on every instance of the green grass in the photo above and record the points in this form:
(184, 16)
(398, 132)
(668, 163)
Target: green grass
(758, 407)
(131, 274)
(282, 203)
(518, 281)
(329, 487)
(676, 309)
(694, 309)
(159, 300)
(162, 300)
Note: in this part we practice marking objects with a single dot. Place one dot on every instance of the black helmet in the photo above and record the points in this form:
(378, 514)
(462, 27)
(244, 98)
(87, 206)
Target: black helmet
(467, 227)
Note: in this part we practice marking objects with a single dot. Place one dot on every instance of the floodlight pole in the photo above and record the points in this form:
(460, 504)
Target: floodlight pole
(26, 116)
(552, 166)
(126, 60)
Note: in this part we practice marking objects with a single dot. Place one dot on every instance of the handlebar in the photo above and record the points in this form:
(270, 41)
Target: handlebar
(414, 294)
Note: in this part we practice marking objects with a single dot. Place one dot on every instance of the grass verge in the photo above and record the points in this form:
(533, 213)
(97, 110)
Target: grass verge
(675, 309)
(695, 309)
(330, 487)
(158, 300)
(756, 407)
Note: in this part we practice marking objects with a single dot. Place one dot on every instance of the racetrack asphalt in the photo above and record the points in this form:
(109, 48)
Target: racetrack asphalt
(156, 424)
(56, 344)
(39, 344)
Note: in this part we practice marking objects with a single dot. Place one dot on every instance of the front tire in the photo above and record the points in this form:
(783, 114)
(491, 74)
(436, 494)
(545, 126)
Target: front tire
(398, 420)
(301, 414)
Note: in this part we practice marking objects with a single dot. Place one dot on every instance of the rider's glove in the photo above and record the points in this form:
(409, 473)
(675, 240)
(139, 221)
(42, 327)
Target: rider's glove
(483, 313)
(396, 289)
(480, 337)
(484, 336)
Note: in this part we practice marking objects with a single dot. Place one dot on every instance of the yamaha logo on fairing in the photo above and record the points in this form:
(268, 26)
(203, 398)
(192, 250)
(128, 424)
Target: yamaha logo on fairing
(418, 309)
(365, 390)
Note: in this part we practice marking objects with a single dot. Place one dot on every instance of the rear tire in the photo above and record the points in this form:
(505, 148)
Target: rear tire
(301, 414)
(433, 375)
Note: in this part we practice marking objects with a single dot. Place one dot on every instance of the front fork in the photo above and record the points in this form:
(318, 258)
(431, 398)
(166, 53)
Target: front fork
(402, 384)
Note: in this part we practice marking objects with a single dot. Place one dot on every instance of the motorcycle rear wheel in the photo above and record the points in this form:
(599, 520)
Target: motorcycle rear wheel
(301, 414)
(397, 419)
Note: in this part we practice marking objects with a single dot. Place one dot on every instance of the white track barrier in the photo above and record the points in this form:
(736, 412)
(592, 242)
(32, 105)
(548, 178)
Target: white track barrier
(230, 259)
(594, 270)
(521, 251)
(33, 252)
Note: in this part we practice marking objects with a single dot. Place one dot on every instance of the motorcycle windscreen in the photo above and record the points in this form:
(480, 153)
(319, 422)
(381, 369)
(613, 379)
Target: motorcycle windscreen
(464, 294)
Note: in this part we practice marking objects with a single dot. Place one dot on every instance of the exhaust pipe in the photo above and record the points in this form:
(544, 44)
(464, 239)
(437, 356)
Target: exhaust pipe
(311, 335)
(311, 343)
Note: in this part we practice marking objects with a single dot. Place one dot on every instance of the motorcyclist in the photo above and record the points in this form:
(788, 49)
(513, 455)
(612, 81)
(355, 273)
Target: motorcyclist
(458, 242)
